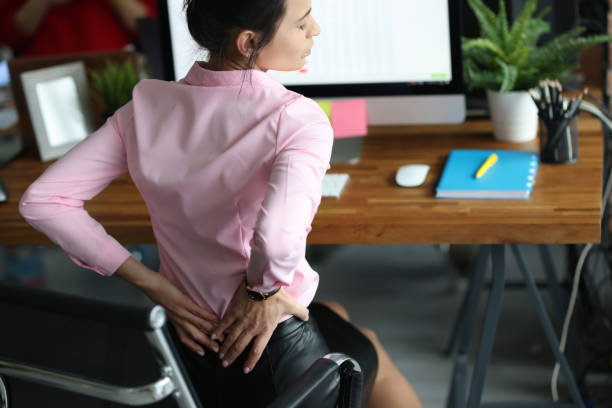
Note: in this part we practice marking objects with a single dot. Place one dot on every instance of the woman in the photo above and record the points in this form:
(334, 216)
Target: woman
(230, 164)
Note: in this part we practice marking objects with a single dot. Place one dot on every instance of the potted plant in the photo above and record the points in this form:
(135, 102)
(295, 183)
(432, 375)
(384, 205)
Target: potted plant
(114, 84)
(507, 61)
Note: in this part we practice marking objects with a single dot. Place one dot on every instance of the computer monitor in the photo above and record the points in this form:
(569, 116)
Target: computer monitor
(402, 56)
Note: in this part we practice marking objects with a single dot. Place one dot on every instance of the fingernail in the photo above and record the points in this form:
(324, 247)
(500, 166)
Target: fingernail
(221, 356)
(225, 364)
(246, 370)
(216, 349)
(201, 352)
(214, 336)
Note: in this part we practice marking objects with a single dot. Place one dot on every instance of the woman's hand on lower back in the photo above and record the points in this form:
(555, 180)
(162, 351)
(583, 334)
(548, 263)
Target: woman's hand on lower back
(248, 320)
(192, 323)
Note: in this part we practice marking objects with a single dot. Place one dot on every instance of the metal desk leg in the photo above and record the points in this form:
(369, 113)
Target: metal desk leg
(471, 297)
(490, 325)
(465, 328)
(548, 328)
(459, 318)
(553, 284)
(553, 281)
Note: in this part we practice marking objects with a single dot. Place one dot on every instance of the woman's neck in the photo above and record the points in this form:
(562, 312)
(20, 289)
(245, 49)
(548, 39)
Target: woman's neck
(225, 64)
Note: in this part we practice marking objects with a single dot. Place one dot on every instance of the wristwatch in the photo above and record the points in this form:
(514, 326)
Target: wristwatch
(259, 296)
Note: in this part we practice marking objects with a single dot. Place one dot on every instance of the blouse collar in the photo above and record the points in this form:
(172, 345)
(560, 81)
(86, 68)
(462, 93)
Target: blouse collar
(201, 76)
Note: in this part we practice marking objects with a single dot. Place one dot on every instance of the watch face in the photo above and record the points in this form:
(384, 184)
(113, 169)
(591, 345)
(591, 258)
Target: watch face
(256, 295)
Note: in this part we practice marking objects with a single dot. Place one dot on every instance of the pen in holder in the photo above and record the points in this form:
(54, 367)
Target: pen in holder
(558, 123)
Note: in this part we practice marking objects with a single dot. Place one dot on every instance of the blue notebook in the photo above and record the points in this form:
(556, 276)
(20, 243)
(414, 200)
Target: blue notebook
(511, 177)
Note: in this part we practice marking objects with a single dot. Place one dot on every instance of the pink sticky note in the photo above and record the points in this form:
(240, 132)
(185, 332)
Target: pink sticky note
(349, 118)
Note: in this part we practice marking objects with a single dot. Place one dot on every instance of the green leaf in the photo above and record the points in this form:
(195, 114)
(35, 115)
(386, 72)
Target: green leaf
(481, 57)
(519, 57)
(486, 20)
(485, 79)
(519, 28)
(561, 53)
(115, 83)
(510, 75)
(535, 29)
(502, 25)
(567, 37)
(485, 44)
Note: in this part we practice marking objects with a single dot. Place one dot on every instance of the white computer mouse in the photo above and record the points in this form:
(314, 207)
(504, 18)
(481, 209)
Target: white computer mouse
(411, 175)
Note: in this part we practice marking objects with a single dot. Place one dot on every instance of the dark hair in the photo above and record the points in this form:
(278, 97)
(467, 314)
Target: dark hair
(213, 24)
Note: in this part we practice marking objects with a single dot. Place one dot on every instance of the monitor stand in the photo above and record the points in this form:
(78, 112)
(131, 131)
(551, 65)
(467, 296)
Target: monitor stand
(415, 109)
(346, 150)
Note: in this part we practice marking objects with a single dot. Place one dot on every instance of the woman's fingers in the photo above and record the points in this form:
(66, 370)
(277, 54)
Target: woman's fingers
(292, 306)
(232, 334)
(198, 311)
(259, 345)
(194, 333)
(300, 312)
(207, 326)
(237, 347)
(201, 338)
(186, 340)
(218, 332)
(165, 293)
(188, 311)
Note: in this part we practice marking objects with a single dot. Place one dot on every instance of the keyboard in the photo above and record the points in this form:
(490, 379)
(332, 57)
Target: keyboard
(333, 184)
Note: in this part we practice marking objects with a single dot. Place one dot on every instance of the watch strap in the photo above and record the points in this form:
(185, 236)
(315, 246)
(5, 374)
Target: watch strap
(259, 296)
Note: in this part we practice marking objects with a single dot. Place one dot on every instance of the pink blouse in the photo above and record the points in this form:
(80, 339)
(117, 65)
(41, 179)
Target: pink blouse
(229, 164)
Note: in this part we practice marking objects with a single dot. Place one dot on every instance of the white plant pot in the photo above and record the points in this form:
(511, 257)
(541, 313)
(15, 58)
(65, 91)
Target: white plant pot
(514, 116)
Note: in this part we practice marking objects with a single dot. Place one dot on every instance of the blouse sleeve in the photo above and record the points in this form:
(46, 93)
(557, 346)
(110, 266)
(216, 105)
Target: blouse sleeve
(53, 204)
(304, 141)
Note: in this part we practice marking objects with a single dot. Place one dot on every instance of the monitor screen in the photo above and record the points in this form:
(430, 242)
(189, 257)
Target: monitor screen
(366, 48)
(383, 41)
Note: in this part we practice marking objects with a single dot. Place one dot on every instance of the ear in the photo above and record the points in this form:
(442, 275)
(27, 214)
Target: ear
(246, 41)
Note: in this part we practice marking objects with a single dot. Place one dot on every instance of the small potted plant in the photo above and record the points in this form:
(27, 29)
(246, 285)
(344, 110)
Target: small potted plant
(507, 61)
(114, 84)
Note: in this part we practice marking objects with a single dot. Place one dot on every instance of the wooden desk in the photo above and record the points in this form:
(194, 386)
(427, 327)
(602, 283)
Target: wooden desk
(564, 206)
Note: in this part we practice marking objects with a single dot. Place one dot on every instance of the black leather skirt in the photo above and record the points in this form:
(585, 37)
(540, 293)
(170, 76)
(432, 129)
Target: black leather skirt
(294, 346)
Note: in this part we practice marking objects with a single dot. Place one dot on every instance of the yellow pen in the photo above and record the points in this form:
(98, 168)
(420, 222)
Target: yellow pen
(491, 160)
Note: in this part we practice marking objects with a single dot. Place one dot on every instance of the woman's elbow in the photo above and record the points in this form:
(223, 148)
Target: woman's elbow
(25, 204)
(35, 205)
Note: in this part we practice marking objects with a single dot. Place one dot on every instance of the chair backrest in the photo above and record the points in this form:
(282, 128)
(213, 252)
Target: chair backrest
(43, 332)
(43, 329)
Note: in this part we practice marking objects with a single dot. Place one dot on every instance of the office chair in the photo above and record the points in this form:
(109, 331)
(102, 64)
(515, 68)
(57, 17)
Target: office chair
(26, 313)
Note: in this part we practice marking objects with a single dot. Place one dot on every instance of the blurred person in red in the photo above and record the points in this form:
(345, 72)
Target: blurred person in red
(51, 27)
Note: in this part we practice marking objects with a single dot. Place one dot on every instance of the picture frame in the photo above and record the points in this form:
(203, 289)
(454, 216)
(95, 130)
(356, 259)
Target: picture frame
(93, 61)
(59, 107)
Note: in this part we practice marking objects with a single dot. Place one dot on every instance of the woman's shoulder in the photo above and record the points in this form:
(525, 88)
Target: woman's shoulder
(304, 109)
(147, 85)
(303, 119)
(155, 93)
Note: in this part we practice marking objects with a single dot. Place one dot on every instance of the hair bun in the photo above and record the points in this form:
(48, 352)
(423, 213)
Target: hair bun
(212, 23)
